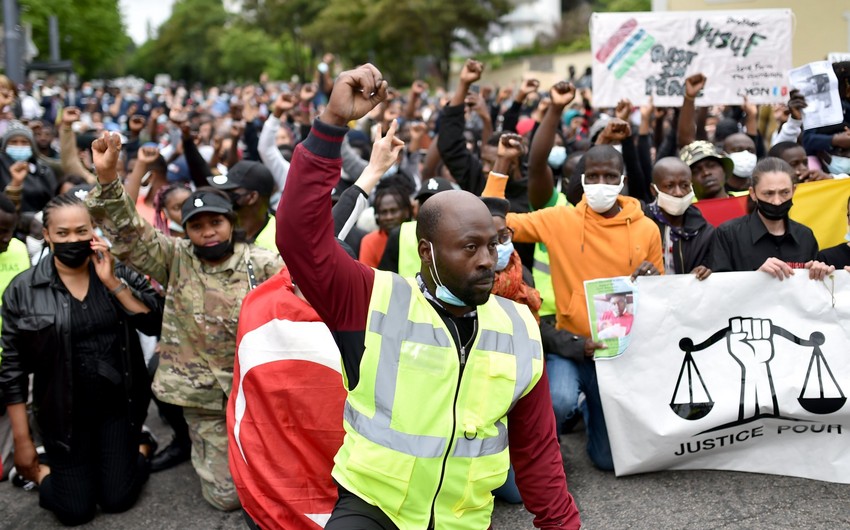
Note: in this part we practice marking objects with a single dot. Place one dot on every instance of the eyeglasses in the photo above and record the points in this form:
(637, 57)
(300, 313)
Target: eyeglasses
(506, 236)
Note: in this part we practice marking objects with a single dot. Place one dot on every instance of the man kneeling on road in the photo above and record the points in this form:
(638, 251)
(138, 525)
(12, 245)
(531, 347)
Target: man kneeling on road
(440, 374)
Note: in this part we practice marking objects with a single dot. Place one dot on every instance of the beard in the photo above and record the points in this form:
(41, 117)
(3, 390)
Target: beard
(474, 293)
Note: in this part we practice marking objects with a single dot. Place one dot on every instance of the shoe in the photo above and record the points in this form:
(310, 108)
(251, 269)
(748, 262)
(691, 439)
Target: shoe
(174, 453)
(20, 482)
(147, 438)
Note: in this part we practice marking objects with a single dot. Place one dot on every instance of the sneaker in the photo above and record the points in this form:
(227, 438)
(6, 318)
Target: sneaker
(20, 482)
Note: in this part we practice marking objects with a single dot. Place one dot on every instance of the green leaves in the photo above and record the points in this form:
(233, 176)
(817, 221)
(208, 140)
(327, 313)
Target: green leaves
(92, 33)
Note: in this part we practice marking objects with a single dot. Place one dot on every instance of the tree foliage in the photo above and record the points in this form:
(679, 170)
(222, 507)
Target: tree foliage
(392, 33)
(92, 34)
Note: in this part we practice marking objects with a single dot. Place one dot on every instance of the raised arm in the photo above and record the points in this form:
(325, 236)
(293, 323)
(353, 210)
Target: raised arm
(134, 240)
(541, 183)
(687, 120)
(462, 164)
(414, 98)
(71, 164)
(145, 156)
(337, 286)
(269, 153)
(355, 199)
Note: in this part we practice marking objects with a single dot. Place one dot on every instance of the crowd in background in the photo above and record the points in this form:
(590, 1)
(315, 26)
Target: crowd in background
(625, 176)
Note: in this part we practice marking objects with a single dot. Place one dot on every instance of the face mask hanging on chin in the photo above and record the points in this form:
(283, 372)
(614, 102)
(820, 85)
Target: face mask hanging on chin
(443, 294)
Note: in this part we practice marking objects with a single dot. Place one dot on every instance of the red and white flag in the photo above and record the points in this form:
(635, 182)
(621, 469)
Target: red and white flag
(284, 417)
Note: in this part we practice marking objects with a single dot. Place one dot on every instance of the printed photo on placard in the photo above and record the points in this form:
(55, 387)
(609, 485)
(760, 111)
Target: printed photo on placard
(611, 310)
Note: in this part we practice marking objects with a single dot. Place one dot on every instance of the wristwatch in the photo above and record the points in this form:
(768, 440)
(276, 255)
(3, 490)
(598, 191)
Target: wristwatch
(121, 287)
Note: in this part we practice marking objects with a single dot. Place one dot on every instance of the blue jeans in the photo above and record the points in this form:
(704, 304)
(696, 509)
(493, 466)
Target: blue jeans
(567, 379)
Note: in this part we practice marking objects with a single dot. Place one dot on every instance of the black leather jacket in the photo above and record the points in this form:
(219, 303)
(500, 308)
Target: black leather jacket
(36, 340)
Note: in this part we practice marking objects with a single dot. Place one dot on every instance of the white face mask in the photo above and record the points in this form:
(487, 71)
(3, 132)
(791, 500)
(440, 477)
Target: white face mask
(674, 206)
(34, 246)
(745, 163)
(601, 197)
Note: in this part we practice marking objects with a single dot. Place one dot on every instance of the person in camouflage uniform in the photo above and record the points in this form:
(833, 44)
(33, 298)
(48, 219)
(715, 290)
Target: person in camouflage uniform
(205, 279)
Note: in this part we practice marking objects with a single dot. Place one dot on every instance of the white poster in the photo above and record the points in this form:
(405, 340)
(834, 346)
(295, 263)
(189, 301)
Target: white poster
(817, 83)
(742, 53)
(739, 372)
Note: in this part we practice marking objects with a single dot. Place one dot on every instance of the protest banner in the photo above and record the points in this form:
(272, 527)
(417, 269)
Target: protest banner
(818, 84)
(739, 372)
(742, 53)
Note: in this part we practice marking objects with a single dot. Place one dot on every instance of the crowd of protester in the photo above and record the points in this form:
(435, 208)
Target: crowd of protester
(136, 219)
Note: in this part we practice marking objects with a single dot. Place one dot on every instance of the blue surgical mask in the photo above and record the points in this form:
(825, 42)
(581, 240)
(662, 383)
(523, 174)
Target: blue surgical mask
(391, 171)
(839, 165)
(847, 235)
(557, 156)
(174, 226)
(19, 153)
(443, 294)
(504, 252)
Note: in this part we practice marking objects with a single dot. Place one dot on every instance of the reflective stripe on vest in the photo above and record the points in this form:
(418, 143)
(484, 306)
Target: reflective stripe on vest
(408, 250)
(399, 418)
(542, 275)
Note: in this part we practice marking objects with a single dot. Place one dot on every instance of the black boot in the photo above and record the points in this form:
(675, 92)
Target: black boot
(174, 453)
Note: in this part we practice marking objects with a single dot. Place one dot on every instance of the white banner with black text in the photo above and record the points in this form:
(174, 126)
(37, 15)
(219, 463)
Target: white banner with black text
(740, 372)
(741, 52)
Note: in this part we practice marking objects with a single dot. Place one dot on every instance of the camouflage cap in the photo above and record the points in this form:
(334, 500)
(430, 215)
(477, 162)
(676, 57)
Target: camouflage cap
(700, 150)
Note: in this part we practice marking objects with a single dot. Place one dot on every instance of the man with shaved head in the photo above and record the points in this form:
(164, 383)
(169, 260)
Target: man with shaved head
(686, 237)
(440, 374)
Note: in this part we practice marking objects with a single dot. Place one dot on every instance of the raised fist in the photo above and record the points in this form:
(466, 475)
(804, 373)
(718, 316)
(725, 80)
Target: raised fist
(418, 88)
(70, 115)
(750, 340)
(105, 151)
(693, 85)
(471, 72)
(355, 93)
(283, 104)
(19, 171)
(562, 94)
(527, 87)
(510, 146)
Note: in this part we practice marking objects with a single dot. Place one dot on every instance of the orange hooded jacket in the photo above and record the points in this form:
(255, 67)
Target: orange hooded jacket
(584, 245)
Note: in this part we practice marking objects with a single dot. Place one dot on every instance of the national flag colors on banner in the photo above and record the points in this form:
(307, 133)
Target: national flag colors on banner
(821, 205)
(739, 372)
(718, 211)
(284, 416)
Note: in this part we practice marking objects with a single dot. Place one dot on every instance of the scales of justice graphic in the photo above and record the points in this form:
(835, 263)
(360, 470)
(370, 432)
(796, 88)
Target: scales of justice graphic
(750, 342)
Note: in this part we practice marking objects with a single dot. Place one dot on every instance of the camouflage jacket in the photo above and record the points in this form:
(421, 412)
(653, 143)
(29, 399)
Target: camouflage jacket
(202, 302)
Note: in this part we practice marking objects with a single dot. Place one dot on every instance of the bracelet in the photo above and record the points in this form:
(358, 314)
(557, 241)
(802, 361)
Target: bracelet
(118, 289)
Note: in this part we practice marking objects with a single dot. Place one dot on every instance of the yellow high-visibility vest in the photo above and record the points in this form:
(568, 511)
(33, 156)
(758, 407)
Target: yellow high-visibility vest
(423, 437)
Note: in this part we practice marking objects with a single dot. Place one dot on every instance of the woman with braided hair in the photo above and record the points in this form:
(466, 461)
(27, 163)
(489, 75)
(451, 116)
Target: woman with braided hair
(71, 321)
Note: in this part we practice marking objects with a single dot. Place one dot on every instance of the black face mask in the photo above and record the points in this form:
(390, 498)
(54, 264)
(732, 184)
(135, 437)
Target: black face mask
(214, 253)
(73, 254)
(775, 212)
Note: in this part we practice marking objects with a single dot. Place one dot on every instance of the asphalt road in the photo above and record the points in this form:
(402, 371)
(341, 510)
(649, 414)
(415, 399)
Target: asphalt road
(667, 500)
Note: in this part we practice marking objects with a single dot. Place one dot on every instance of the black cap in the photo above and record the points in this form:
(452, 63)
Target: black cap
(252, 176)
(497, 206)
(205, 201)
(432, 186)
